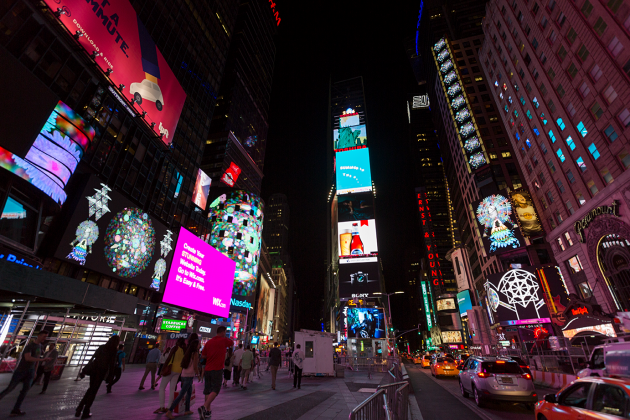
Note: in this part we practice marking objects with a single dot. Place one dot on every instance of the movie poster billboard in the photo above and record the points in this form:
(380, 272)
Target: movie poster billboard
(526, 214)
(112, 33)
(497, 224)
(359, 280)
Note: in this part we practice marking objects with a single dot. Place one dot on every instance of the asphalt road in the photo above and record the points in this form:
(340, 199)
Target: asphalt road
(440, 399)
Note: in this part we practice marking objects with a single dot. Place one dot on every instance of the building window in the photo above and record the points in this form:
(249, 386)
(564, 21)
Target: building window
(552, 168)
(615, 47)
(570, 177)
(543, 148)
(560, 244)
(596, 73)
(580, 163)
(606, 175)
(571, 35)
(535, 43)
(543, 202)
(541, 176)
(558, 216)
(568, 238)
(624, 117)
(626, 66)
(550, 196)
(506, 154)
(587, 8)
(551, 223)
(560, 186)
(551, 105)
(582, 129)
(553, 35)
(591, 186)
(597, 110)
(580, 198)
(560, 155)
(543, 58)
(529, 168)
(535, 9)
(572, 70)
(583, 53)
(560, 91)
(560, 124)
(624, 158)
(571, 109)
(584, 90)
(535, 101)
(562, 53)
(574, 265)
(611, 133)
(551, 73)
(593, 149)
(610, 94)
(600, 26)
(570, 143)
(614, 5)
(535, 130)
(569, 207)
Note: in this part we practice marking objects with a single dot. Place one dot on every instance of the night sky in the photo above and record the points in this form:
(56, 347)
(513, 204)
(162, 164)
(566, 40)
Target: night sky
(341, 39)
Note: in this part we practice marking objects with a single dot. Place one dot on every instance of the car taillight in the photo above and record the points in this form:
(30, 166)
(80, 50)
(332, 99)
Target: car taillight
(526, 376)
(485, 374)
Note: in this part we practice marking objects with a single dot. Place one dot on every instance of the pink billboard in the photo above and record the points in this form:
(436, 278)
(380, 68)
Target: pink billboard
(112, 33)
(201, 277)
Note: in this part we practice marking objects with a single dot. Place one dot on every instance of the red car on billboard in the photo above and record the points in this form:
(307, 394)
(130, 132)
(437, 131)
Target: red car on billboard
(112, 33)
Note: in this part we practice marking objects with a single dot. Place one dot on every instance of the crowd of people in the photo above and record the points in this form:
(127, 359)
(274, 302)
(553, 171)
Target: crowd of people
(218, 362)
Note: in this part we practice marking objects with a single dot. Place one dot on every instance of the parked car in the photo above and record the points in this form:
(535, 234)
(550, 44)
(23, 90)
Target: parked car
(598, 362)
(426, 361)
(492, 379)
(586, 399)
(444, 366)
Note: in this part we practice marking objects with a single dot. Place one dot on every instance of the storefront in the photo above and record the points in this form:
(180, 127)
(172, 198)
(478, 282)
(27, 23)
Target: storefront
(586, 322)
(593, 248)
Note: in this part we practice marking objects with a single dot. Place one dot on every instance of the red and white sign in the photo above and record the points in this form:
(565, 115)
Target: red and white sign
(118, 41)
(231, 175)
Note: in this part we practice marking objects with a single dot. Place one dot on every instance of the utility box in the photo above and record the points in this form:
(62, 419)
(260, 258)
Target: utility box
(318, 352)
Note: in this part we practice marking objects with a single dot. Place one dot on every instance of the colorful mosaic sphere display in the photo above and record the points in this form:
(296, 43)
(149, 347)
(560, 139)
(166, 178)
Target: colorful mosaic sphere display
(129, 242)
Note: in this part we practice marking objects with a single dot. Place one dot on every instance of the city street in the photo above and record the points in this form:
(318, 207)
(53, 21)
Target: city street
(441, 399)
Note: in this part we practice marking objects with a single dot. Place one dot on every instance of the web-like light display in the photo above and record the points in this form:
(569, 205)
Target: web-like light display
(520, 290)
(458, 102)
(441, 56)
(466, 129)
(446, 66)
(472, 144)
(450, 77)
(440, 44)
(462, 115)
(453, 89)
(477, 160)
(494, 213)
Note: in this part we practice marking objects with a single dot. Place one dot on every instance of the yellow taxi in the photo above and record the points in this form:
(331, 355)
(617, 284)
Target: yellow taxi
(426, 361)
(588, 398)
(417, 359)
(444, 366)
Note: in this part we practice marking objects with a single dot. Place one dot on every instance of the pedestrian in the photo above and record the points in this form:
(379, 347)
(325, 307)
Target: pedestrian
(256, 369)
(25, 371)
(298, 358)
(116, 373)
(227, 367)
(152, 362)
(290, 359)
(246, 366)
(45, 368)
(103, 362)
(190, 369)
(275, 358)
(238, 353)
(214, 352)
(165, 354)
(170, 373)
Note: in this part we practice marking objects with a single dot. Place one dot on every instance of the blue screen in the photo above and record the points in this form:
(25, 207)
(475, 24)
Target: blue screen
(463, 299)
(353, 171)
(255, 339)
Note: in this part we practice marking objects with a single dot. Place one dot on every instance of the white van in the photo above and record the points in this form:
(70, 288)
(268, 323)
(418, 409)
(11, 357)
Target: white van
(617, 354)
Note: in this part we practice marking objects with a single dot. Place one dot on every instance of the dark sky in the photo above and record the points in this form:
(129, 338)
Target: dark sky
(341, 39)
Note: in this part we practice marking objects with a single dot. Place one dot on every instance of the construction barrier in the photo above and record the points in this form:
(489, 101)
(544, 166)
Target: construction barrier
(552, 379)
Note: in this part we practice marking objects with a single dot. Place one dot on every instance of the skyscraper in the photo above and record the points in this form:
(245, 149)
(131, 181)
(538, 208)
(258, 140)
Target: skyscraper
(276, 230)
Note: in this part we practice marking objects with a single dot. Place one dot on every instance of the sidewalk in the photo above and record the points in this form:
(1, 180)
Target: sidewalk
(320, 397)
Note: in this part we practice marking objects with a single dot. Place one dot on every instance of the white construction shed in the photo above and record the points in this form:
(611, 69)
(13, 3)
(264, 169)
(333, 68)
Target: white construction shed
(318, 351)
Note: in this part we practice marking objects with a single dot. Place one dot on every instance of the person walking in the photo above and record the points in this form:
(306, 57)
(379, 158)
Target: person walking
(227, 366)
(290, 359)
(170, 374)
(103, 362)
(238, 353)
(152, 361)
(275, 358)
(116, 373)
(214, 352)
(256, 368)
(25, 371)
(163, 358)
(298, 359)
(45, 368)
(190, 369)
(246, 366)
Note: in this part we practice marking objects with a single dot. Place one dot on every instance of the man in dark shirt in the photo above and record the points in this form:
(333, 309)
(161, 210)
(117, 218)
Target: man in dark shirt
(25, 371)
(214, 353)
(275, 358)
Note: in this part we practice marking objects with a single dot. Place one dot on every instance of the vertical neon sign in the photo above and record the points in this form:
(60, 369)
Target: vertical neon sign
(427, 310)
(429, 238)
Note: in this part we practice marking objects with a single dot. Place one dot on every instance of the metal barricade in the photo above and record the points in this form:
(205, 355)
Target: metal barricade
(397, 398)
(373, 408)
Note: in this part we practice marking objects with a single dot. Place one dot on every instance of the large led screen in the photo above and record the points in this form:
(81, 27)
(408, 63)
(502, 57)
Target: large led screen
(122, 45)
(55, 154)
(353, 171)
(355, 207)
(349, 137)
(200, 278)
(357, 239)
(445, 304)
(202, 189)
(364, 322)
(349, 118)
(109, 234)
(526, 213)
(464, 302)
(497, 224)
(359, 280)
(451, 337)
(237, 222)
(516, 295)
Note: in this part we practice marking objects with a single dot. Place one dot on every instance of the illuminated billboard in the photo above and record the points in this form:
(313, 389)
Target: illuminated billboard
(516, 295)
(464, 302)
(121, 46)
(364, 322)
(355, 207)
(55, 154)
(230, 176)
(497, 224)
(200, 277)
(353, 171)
(357, 239)
(526, 213)
(201, 190)
(349, 118)
(449, 337)
(445, 304)
(359, 280)
(237, 218)
(107, 233)
(349, 137)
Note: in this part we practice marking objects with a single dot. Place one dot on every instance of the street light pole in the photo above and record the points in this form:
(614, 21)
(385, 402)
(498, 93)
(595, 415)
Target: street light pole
(389, 308)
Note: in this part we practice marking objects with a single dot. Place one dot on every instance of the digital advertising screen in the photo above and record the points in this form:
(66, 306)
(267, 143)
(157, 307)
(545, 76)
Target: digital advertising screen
(200, 278)
(255, 339)
(357, 239)
(55, 154)
(230, 176)
(353, 171)
(445, 304)
(349, 137)
(109, 234)
(123, 45)
(526, 213)
(464, 302)
(349, 118)
(516, 295)
(355, 207)
(359, 280)
(451, 337)
(497, 222)
(364, 322)
(202, 189)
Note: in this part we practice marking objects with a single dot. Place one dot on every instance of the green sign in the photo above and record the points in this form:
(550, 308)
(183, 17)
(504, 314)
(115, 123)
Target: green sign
(427, 311)
(173, 324)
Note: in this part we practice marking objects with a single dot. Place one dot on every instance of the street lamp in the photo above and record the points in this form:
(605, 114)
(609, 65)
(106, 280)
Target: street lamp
(389, 307)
